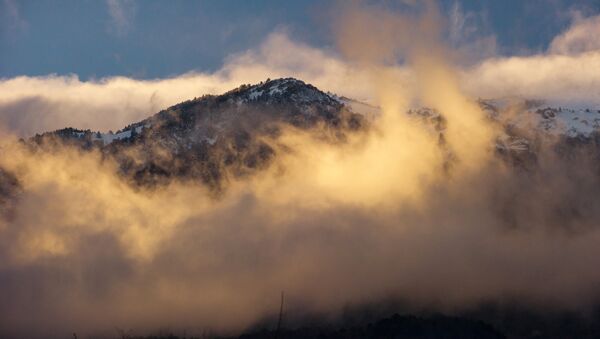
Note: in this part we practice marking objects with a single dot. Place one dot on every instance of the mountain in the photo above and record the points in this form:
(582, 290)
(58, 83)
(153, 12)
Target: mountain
(215, 138)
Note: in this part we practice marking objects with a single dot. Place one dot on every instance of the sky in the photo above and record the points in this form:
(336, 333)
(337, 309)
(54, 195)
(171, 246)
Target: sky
(158, 39)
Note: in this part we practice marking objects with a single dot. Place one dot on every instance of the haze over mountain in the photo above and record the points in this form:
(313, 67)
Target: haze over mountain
(224, 142)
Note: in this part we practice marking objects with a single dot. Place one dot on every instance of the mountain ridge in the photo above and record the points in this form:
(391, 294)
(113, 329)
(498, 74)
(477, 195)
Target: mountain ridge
(214, 138)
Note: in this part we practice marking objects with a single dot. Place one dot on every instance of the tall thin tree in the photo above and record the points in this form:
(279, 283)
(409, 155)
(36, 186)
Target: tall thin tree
(280, 318)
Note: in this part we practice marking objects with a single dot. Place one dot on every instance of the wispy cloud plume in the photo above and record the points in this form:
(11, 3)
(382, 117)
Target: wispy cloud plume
(469, 35)
(12, 18)
(122, 13)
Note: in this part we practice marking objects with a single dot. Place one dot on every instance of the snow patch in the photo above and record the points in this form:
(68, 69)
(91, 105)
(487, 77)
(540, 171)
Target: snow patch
(108, 138)
(254, 94)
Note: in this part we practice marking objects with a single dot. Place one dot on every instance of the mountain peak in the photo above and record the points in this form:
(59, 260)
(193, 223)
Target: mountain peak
(283, 89)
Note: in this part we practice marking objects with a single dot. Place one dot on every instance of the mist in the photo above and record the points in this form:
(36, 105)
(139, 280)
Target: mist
(389, 214)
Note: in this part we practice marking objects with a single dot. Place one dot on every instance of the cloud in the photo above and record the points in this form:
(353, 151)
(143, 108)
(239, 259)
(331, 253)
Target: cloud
(582, 36)
(121, 13)
(558, 79)
(12, 18)
(30, 105)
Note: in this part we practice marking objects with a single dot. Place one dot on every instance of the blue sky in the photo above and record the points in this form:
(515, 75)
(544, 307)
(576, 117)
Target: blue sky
(154, 39)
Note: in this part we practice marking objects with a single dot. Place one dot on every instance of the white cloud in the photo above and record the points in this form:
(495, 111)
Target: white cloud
(561, 79)
(582, 36)
(30, 105)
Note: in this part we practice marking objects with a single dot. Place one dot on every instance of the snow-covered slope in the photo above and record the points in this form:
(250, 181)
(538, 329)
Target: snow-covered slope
(560, 121)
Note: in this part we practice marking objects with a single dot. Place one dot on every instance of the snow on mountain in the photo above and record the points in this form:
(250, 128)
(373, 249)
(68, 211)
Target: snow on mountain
(289, 89)
(561, 121)
(107, 138)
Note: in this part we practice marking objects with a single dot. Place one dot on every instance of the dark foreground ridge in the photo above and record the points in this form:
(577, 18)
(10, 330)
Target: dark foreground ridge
(397, 326)
(485, 323)
(394, 327)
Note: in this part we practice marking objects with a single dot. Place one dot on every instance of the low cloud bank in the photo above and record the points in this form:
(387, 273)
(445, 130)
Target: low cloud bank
(565, 76)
